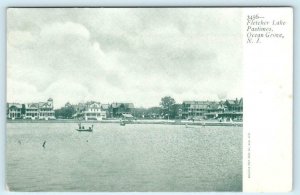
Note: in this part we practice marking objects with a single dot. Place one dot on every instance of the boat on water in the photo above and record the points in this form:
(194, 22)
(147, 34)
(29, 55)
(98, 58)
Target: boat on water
(83, 128)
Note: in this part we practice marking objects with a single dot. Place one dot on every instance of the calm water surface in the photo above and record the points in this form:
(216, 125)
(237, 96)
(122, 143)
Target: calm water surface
(123, 158)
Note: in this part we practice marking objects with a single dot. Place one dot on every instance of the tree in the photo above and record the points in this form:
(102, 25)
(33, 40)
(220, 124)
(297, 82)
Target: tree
(166, 105)
(65, 112)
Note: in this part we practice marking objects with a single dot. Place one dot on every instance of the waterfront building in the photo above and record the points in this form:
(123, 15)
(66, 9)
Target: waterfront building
(31, 111)
(117, 109)
(46, 110)
(234, 105)
(212, 109)
(192, 109)
(89, 111)
(93, 111)
(233, 109)
(14, 111)
(40, 110)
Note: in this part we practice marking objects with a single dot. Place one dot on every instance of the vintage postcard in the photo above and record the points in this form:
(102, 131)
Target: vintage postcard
(184, 99)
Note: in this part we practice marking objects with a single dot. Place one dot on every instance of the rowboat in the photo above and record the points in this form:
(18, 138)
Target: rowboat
(82, 128)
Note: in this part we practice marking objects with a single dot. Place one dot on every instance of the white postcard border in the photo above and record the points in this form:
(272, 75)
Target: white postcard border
(268, 100)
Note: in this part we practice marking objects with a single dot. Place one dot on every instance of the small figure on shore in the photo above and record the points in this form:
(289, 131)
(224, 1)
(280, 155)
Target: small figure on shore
(19, 142)
(44, 144)
(87, 140)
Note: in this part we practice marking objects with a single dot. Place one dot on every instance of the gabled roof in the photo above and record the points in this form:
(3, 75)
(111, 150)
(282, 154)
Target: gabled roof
(14, 105)
(45, 105)
(32, 106)
(235, 102)
(94, 105)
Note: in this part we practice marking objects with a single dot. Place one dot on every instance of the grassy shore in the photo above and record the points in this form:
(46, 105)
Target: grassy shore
(139, 121)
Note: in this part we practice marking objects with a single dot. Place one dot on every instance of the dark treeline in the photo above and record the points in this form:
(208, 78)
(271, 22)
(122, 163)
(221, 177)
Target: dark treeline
(65, 112)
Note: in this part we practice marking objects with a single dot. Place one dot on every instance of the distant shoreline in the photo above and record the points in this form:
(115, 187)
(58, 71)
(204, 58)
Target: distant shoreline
(167, 122)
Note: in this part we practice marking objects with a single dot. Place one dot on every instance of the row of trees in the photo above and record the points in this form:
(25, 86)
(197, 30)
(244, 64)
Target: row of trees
(167, 109)
(65, 112)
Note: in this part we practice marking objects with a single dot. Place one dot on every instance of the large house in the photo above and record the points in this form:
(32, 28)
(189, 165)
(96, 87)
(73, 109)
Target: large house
(214, 109)
(194, 108)
(32, 111)
(233, 109)
(234, 105)
(93, 111)
(41, 110)
(14, 111)
(90, 111)
(46, 110)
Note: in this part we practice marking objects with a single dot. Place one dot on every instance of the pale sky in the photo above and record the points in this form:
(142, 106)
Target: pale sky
(123, 55)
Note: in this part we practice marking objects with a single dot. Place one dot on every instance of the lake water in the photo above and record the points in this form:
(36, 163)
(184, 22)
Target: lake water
(134, 157)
